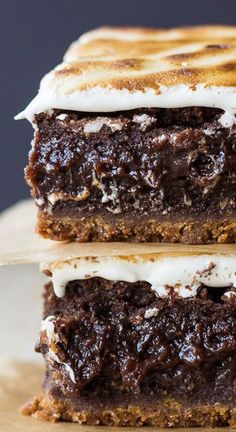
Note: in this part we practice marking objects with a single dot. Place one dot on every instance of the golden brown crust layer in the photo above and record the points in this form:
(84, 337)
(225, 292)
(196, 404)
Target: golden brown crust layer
(144, 57)
(100, 229)
(166, 414)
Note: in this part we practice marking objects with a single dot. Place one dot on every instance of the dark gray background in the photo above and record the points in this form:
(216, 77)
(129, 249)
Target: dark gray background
(33, 37)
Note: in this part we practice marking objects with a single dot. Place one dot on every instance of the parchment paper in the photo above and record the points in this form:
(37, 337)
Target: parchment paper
(20, 244)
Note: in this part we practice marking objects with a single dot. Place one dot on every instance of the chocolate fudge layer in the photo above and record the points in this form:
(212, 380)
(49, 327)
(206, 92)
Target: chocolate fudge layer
(117, 354)
(140, 175)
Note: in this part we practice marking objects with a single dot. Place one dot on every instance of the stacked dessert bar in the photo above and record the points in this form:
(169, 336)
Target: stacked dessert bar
(135, 141)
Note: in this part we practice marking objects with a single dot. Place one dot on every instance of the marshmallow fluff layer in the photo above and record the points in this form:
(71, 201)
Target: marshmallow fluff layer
(182, 273)
(111, 70)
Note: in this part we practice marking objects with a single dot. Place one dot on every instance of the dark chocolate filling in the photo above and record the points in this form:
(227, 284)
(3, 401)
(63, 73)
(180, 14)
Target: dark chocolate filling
(185, 351)
(180, 164)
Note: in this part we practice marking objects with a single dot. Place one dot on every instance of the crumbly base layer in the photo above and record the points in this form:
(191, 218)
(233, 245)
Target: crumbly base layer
(86, 229)
(166, 414)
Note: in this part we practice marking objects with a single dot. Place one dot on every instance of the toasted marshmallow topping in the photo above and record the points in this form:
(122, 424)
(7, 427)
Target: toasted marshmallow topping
(182, 274)
(112, 70)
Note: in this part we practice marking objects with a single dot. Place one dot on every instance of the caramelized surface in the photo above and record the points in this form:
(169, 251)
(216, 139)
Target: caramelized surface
(137, 58)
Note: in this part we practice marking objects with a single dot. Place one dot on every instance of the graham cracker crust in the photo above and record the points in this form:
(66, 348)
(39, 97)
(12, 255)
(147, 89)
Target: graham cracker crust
(166, 414)
(100, 229)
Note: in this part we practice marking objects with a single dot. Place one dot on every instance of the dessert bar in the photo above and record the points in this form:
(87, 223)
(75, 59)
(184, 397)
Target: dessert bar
(135, 138)
(150, 347)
